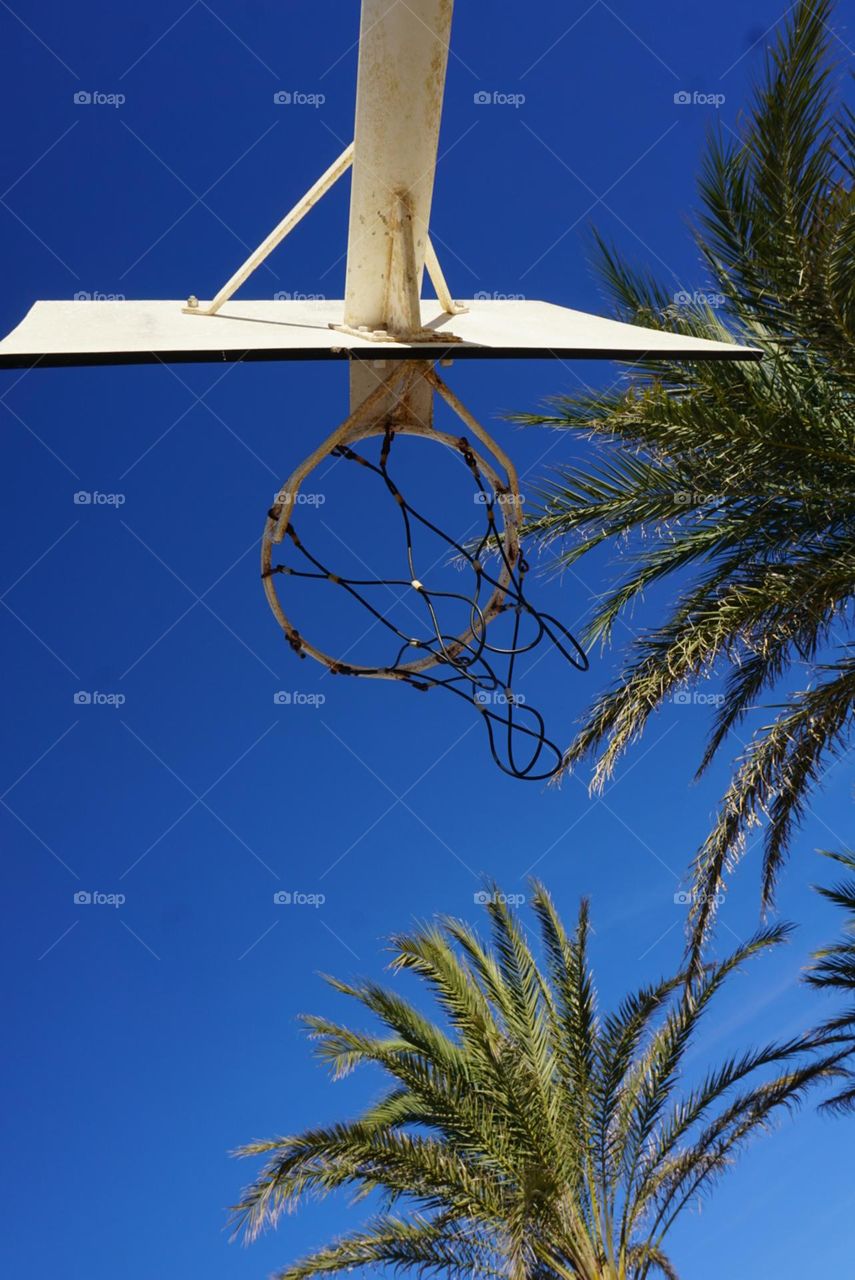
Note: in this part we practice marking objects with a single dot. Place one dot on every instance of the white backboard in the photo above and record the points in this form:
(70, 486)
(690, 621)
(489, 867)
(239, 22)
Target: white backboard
(97, 333)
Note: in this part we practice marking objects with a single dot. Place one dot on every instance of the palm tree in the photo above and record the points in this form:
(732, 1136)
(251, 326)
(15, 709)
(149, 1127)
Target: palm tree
(835, 970)
(521, 1135)
(737, 481)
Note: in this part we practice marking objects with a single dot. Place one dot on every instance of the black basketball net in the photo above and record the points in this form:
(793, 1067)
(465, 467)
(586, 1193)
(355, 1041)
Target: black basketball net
(470, 665)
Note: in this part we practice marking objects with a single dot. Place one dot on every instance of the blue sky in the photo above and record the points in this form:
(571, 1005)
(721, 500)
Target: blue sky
(148, 1039)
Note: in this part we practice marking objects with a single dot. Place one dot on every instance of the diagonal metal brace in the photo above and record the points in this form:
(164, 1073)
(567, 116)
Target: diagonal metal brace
(277, 235)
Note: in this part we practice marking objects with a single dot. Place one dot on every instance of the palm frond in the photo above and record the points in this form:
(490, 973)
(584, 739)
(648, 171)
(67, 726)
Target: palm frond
(521, 1133)
(735, 481)
(833, 969)
(417, 1246)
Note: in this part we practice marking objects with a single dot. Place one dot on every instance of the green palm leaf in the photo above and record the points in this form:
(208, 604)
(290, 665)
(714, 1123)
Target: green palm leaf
(834, 970)
(736, 482)
(522, 1133)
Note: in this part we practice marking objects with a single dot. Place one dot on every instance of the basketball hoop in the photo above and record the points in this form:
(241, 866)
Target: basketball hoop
(466, 663)
(383, 322)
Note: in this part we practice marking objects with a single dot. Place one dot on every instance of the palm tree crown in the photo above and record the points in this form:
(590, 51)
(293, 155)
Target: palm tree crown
(737, 481)
(523, 1135)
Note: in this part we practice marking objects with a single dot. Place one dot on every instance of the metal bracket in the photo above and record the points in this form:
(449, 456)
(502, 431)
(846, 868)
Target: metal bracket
(402, 291)
(402, 302)
(277, 235)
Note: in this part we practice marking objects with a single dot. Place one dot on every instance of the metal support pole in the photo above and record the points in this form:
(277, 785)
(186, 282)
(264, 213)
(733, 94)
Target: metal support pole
(403, 56)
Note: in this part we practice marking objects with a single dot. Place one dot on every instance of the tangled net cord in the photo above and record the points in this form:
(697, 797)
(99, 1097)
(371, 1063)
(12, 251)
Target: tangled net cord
(468, 661)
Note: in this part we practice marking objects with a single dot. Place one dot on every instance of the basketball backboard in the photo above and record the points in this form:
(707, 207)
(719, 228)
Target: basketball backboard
(102, 333)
